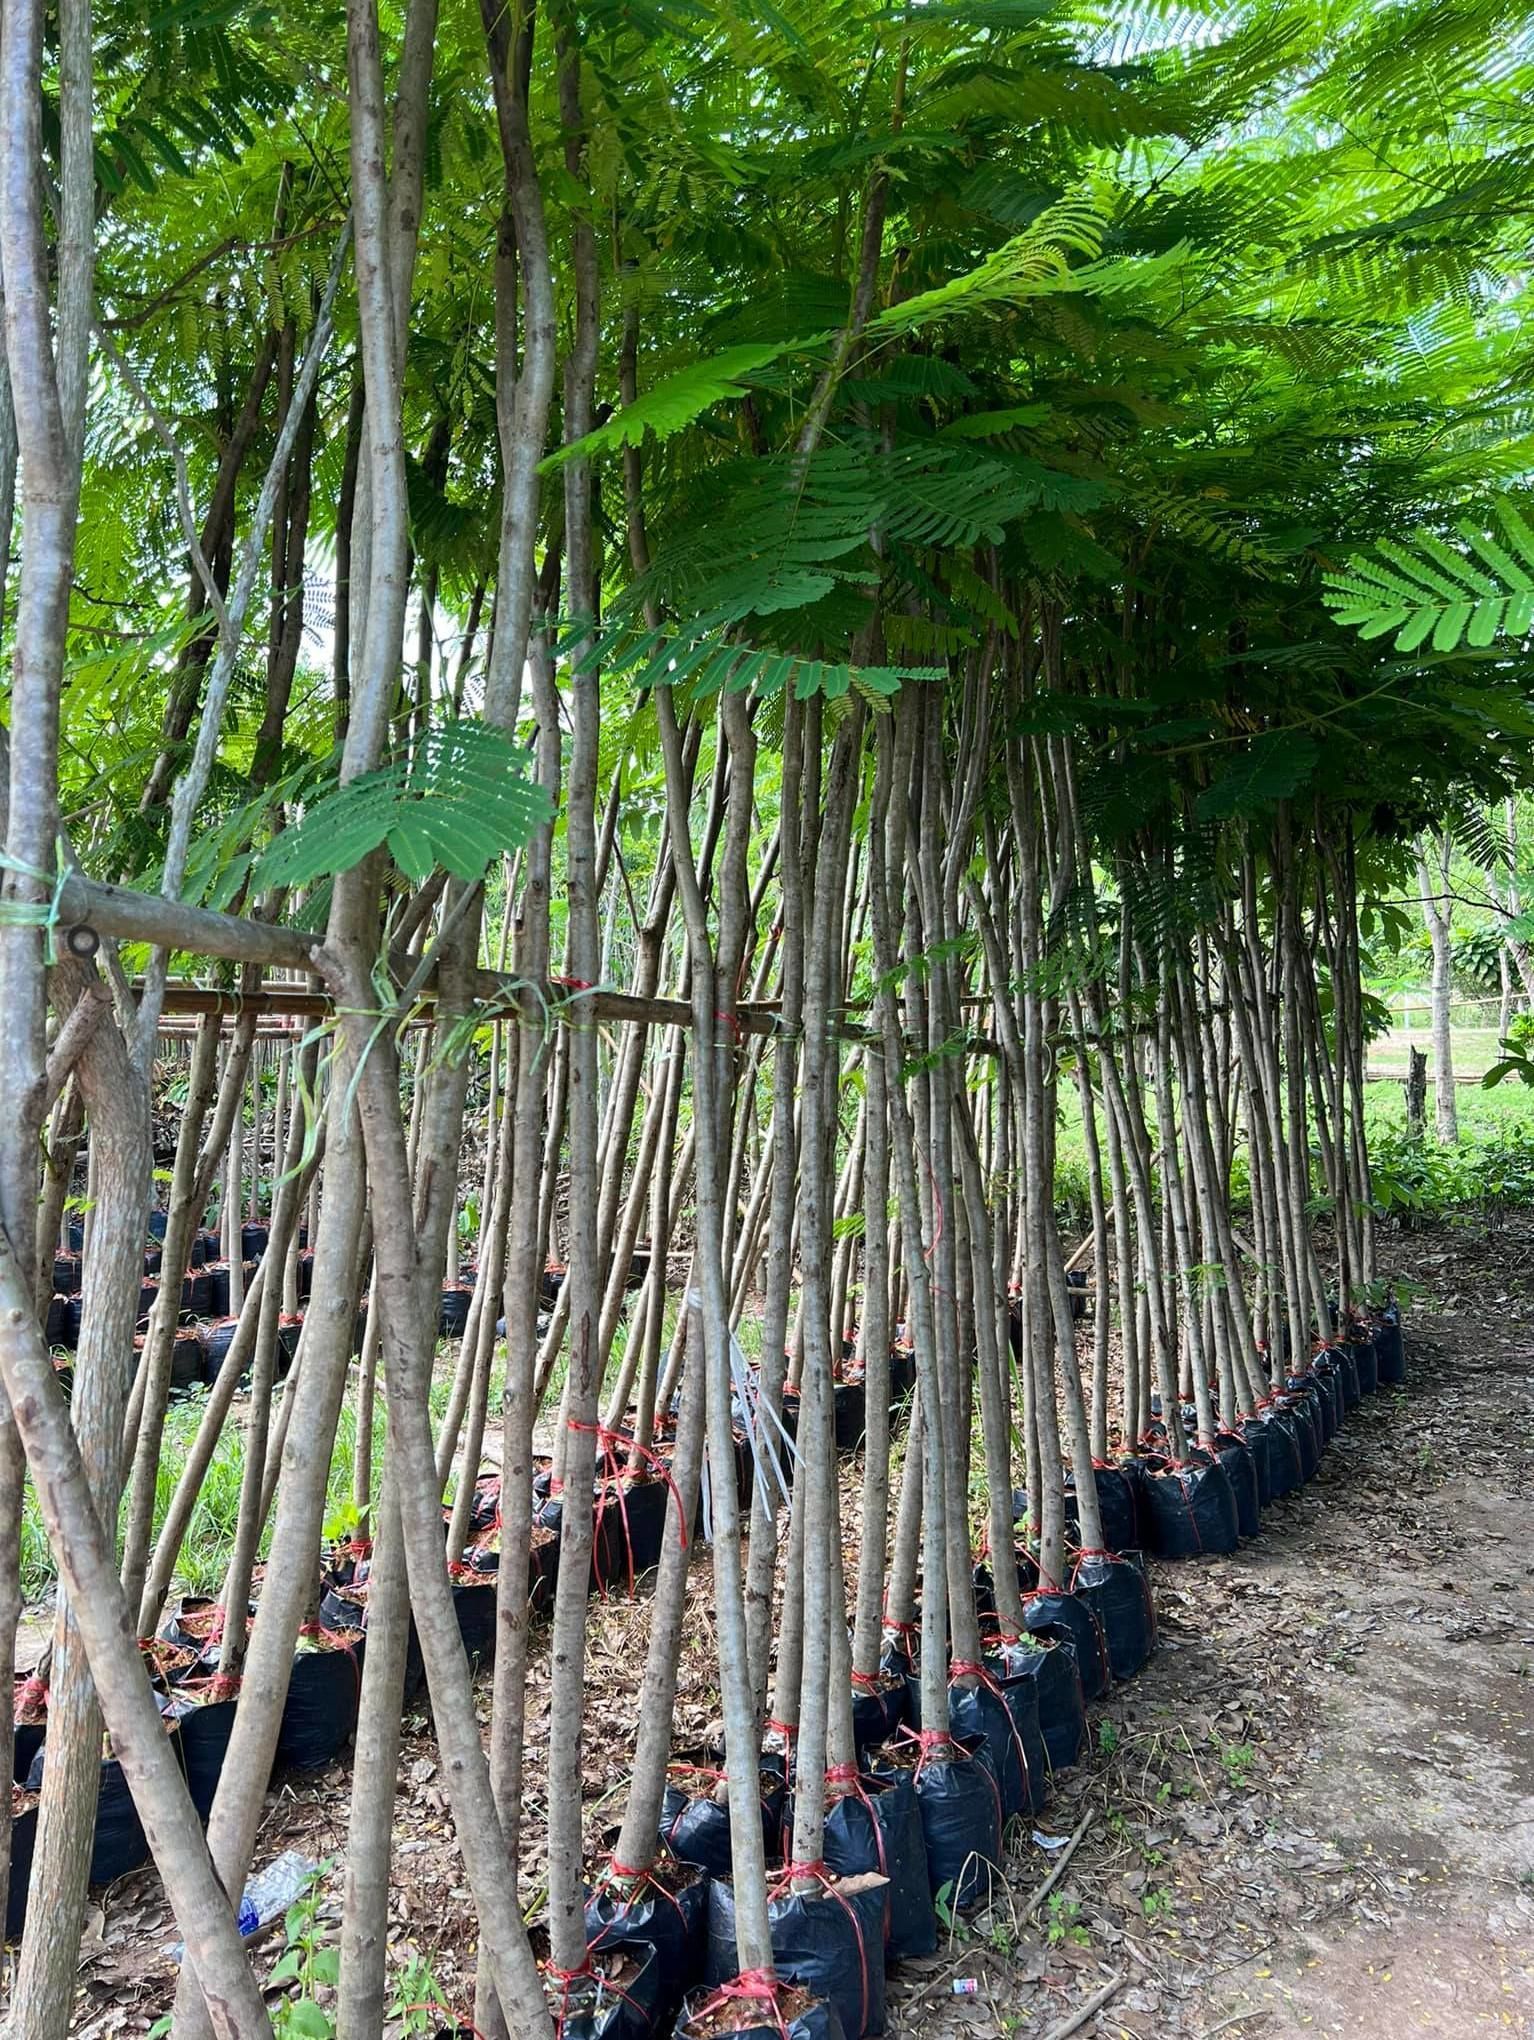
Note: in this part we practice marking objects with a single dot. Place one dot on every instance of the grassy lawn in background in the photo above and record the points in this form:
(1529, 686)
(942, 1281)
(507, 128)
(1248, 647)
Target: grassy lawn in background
(1474, 1050)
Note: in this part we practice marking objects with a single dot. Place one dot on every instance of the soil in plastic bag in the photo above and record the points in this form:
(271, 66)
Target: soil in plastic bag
(1049, 1662)
(902, 1372)
(617, 2001)
(793, 2015)
(1057, 1613)
(1346, 1365)
(321, 1708)
(877, 1829)
(1390, 1350)
(667, 1910)
(1116, 1506)
(119, 1844)
(1009, 1720)
(1286, 1468)
(1260, 1443)
(607, 1567)
(199, 1621)
(542, 1571)
(879, 1707)
(1310, 1385)
(1118, 1593)
(851, 1398)
(216, 1347)
(1315, 1395)
(1326, 1372)
(1367, 1362)
(453, 1315)
(474, 1605)
(188, 1361)
(484, 1505)
(1235, 1455)
(630, 1529)
(695, 1816)
(1115, 1503)
(1190, 1510)
(206, 1726)
(829, 1941)
(961, 1822)
(289, 1326)
(1307, 1431)
(23, 1841)
(344, 1604)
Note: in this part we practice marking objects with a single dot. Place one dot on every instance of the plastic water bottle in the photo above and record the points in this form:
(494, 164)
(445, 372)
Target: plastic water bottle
(267, 1896)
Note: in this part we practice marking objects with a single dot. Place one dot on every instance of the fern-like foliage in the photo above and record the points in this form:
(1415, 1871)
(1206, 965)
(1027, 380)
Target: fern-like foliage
(706, 659)
(1428, 590)
(462, 799)
(676, 402)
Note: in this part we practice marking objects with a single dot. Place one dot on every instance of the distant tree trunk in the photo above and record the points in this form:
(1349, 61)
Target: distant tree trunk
(1433, 853)
(1416, 1089)
(1505, 1009)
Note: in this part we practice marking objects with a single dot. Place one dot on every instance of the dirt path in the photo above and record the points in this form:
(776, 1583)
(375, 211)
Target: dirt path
(1317, 1814)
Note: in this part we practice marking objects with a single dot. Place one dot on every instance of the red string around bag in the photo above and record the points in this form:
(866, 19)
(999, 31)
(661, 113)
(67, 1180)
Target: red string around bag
(850, 1776)
(970, 1668)
(614, 1445)
(817, 1872)
(641, 1880)
(566, 1978)
(752, 1986)
(33, 1693)
(930, 1741)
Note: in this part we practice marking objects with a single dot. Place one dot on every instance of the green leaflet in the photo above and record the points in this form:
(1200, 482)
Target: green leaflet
(674, 403)
(1431, 593)
(462, 800)
(701, 656)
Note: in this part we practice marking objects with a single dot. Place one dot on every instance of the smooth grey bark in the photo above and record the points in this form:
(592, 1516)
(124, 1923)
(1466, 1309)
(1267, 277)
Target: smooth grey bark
(218, 1976)
(117, 1099)
(712, 994)
(1434, 851)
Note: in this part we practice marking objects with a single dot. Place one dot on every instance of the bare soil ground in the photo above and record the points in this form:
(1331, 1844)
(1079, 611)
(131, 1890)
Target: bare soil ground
(1312, 1814)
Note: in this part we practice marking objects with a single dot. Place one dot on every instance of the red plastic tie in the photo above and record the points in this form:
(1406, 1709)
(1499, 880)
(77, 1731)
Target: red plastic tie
(969, 1668)
(615, 1445)
(816, 1870)
(850, 1776)
(928, 1741)
(752, 1986)
(627, 1874)
(565, 1978)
